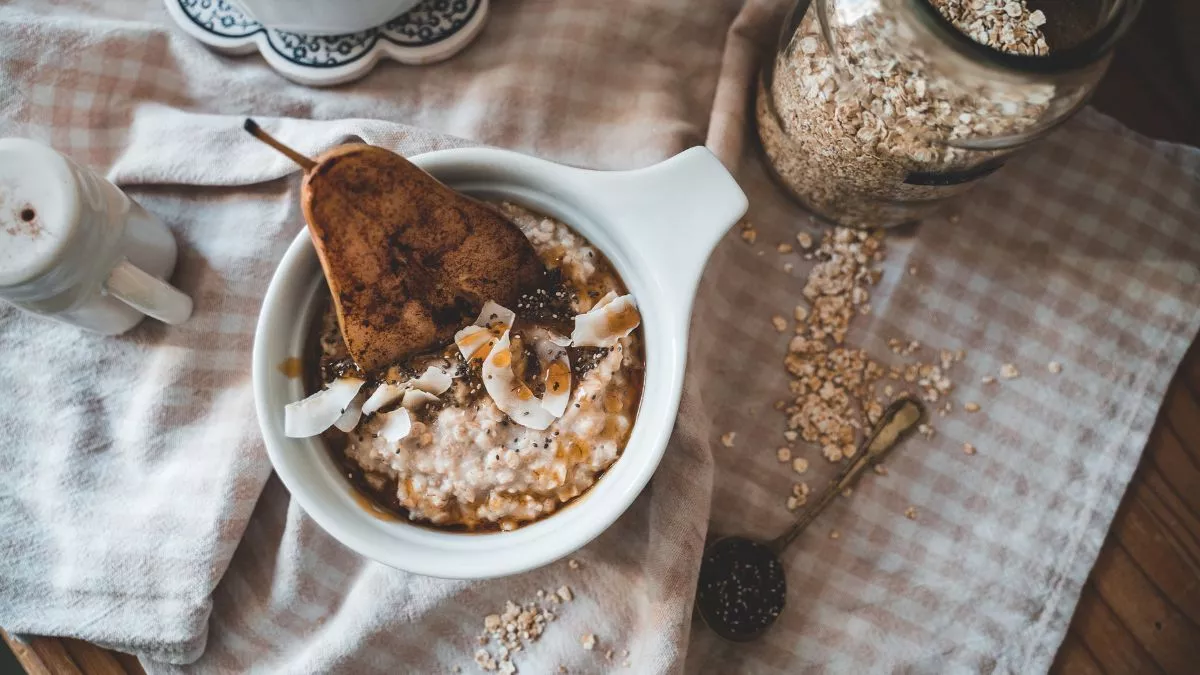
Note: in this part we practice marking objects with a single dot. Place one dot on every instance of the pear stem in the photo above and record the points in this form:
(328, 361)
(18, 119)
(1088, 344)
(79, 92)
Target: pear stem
(256, 131)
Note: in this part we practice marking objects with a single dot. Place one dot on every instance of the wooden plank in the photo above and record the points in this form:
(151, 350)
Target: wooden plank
(93, 660)
(1180, 469)
(1175, 520)
(1166, 565)
(1171, 638)
(1182, 412)
(29, 659)
(1074, 659)
(54, 655)
(1107, 639)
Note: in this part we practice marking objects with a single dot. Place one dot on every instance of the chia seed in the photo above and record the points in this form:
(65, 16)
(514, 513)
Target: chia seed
(741, 589)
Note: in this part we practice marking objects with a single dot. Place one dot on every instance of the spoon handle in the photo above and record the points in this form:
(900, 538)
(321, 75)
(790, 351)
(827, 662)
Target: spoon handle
(898, 419)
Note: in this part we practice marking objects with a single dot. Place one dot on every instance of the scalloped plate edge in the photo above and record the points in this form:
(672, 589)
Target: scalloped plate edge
(326, 76)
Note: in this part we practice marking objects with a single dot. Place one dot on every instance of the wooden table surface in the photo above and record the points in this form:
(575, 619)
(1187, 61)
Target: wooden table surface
(1140, 609)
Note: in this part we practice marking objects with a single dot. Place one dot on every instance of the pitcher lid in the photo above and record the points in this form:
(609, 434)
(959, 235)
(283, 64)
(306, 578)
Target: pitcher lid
(39, 209)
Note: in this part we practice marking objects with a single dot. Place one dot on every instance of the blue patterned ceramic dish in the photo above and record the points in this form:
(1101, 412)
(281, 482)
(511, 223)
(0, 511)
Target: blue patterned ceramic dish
(432, 31)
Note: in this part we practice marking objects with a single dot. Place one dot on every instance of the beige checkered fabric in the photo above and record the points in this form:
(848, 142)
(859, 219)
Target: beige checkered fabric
(133, 468)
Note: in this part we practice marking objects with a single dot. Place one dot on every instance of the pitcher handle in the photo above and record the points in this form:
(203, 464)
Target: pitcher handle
(148, 294)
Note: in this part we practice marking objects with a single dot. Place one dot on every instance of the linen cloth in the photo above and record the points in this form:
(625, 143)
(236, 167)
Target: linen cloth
(137, 509)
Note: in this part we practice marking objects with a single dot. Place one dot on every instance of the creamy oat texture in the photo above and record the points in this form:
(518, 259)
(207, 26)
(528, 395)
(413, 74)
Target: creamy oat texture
(465, 463)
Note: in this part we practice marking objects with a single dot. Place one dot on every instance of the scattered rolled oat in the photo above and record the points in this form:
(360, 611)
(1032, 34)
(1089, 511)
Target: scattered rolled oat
(783, 454)
(880, 469)
(727, 438)
(800, 490)
(834, 534)
(799, 465)
(971, 406)
(830, 377)
(780, 323)
(1008, 371)
(911, 513)
(788, 267)
(805, 240)
(784, 248)
(987, 379)
(587, 641)
(834, 386)
(968, 448)
(1054, 367)
(513, 630)
(573, 564)
(749, 234)
(792, 503)
(564, 593)
(912, 271)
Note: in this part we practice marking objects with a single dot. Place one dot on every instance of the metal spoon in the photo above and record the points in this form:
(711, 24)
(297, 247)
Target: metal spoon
(742, 587)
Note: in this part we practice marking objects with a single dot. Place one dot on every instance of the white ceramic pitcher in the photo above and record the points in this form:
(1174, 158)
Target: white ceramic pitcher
(74, 248)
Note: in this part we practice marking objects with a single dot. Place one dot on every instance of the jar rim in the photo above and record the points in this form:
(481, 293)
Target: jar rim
(1094, 47)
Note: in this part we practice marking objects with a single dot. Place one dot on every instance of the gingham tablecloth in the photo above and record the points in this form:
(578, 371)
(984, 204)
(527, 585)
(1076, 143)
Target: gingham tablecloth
(139, 512)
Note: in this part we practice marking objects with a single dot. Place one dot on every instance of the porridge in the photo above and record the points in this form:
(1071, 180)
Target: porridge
(520, 414)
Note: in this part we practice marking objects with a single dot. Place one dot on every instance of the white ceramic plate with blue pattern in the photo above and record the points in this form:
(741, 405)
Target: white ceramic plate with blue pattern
(432, 31)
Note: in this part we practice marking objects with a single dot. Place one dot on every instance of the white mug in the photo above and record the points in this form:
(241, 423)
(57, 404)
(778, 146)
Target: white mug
(324, 17)
(74, 248)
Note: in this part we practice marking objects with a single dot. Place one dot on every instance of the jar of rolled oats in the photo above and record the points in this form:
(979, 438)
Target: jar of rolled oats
(875, 112)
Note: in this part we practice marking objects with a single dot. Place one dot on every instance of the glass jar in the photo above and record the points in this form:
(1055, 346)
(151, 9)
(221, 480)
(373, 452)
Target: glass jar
(875, 112)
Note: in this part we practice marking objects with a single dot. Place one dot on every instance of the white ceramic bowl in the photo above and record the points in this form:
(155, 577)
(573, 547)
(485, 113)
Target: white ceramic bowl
(657, 226)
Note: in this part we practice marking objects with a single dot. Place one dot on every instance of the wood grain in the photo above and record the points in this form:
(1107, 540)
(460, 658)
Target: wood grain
(1139, 613)
(1140, 610)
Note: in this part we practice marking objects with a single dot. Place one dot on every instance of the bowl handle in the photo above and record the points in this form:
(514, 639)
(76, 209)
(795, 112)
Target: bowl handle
(674, 213)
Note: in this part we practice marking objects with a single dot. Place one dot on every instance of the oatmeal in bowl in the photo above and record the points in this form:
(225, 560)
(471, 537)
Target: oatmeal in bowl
(516, 417)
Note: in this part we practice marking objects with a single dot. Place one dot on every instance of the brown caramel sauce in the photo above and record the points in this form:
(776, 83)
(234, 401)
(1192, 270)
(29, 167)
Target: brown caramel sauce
(291, 367)
(623, 320)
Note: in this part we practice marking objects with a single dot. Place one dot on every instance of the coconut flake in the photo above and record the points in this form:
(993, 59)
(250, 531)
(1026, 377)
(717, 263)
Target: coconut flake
(493, 315)
(556, 369)
(396, 425)
(383, 395)
(510, 395)
(434, 381)
(612, 318)
(320, 411)
(350, 418)
(474, 342)
(415, 398)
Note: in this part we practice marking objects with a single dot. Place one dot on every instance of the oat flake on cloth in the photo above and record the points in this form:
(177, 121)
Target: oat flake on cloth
(139, 513)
